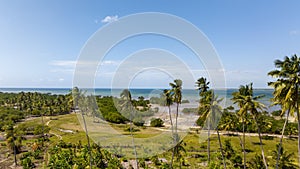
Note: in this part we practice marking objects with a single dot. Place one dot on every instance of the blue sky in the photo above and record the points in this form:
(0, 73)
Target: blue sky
(40, 41)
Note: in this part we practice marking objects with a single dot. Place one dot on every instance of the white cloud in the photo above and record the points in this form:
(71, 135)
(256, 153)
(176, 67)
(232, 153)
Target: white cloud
(68, 66)
(63, 63)
(294, 32)
(109, 62)
(109, 19)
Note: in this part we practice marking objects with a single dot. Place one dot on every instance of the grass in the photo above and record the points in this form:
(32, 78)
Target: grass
(152, 140)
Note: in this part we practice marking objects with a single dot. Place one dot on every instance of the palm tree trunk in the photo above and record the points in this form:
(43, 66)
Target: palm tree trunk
(208, 141)
(15, 148)
(175, 136)
(88, 140)
(244, 151)
(221, 148)
(298, 118)
(171, 121)
(281, 138)
(173, 153)
(43, 130)
(133, 143)
(176, 117)
(261, 145)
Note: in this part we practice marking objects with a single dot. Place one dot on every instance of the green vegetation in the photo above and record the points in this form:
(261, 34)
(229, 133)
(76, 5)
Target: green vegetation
(157, 122)
(43, 131)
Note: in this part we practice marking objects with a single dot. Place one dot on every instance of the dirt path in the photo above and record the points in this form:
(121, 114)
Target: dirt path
(233, 133)
(57, 135)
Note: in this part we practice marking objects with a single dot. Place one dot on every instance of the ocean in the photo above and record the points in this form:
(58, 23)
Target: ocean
(188, 94)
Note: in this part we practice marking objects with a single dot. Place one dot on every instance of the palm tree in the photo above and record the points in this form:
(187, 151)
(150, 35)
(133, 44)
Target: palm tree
(13, 142)
(212, 113)
(168, 97)
(204, 106)
(179, 149)
(285, 159)
(209, 103)
(79, 100)
(202, 85)
(176, 91)
(127, 105)
(248, 103)
(286, 92)
(176, 94)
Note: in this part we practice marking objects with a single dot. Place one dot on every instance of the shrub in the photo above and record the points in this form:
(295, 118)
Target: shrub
(156, 122)
(139, 122)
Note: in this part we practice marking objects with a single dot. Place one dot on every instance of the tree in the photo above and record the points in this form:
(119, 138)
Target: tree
(157, 122)
(257, 162)
(180, 152)
(168, 100)
(286, 92)
(81, 101)
(14, 143)
(285, 160)
(248, 103)
(209, 104)
(127, 105)
(231, 155)
(204, 107)
(177, 97)
(176, 91)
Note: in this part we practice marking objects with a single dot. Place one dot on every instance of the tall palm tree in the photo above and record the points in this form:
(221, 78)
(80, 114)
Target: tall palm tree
(214, 114)
(168, 97)
(127, 105)
(202, 85)
(13, 142)
(177, 92)
(204, 105)
(237, 99)
(209, 103)
(79, 101)
(281, 89)
(168, 101)
(287, 92)
(248, 103)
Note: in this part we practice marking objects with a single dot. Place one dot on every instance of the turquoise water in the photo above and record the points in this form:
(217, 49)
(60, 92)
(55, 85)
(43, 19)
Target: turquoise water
(190, 94)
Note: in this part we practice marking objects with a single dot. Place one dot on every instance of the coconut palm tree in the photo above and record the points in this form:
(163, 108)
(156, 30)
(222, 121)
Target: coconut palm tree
(127, 105)
(177, 92)
(168, 98)
(202, 85)
(204, 105)
(80, 101)
(286, 92)
(168, 101)
(248, 103)
(13, 142)
(209, 103)
(212, 113)
(285, 159)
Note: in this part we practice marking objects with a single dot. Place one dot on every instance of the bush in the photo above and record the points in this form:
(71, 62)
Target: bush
(128, 129)
(157, 122)
(139, 122)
